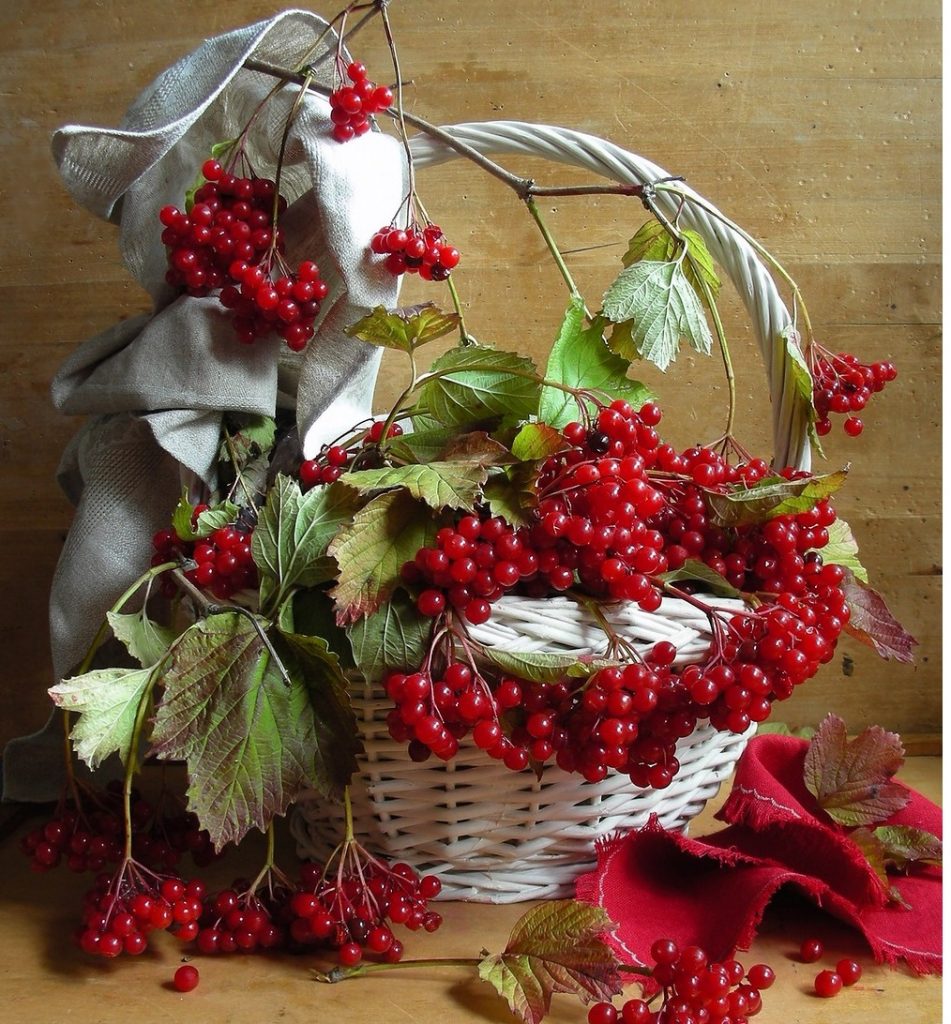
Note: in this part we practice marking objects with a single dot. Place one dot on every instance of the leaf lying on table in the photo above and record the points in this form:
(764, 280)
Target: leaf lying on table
(252, 739)
(851, 780)
(554, 947)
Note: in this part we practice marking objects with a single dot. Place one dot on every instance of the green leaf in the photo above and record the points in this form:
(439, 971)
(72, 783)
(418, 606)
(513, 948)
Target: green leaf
(394, 638)
(371, 550)
(223, 514)
(293, 534)
(554, 947)
(773, 496)
(581, 359)
(903, 845)
(421, 445)
(802, 379)
(439, 484)
(216, 150)
(851, 779)
(659, 299)
(653, 242)
(252, 743)
(545, 668)
(513, 493)
(144, 639)
(842, 549)
(106, 701)
(311, 613)
(404, 329)
(535, 442)
(477, 446)
(467, 386)
(695, 571)
(248, 437)
(873, 624)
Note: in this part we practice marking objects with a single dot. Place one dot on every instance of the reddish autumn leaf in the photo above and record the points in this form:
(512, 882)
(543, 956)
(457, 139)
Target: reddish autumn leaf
(873, 624)
(555, 947)
(851, 779)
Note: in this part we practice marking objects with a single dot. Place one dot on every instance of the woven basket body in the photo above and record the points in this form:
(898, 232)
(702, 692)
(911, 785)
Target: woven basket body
(498, 836)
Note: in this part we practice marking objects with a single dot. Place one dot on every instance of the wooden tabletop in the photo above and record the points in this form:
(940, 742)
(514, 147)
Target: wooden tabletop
(53, 982)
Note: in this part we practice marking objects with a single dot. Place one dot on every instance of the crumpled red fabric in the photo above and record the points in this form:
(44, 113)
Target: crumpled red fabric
(713, 891)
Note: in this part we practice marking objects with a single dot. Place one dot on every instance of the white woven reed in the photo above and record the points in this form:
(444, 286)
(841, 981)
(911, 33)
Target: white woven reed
(493, 835)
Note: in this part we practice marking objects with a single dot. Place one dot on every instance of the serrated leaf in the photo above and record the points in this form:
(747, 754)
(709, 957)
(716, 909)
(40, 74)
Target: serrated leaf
(773, 496)
(513, 493)
(249, 437)
(405, 329)
(581, 359)
(695, 571)
(661, 302)
(106, 701)
(467, 386)
(395, 637)
(293, 534)
(545, 668)
(477, 446)
(371, 550)
(554, 947)
(252, 743)
(653, 242)
(535, 442)
(145, 640)
(439, 484)
(903, 845)
(421, 445)
(842, 549)
(872, 850)
(851, 779)
(873, 624)
(223, 514)
(802, 379)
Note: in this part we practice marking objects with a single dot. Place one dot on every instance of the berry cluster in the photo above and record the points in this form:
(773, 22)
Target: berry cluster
(229, 243)
(696, 990)
(241, 920)
(616, 509)
(84, 842)
(349, 906)
(223, 561)
(843, 385)
(352, 106)
(121, 909)
(334, 459)
(415, 250)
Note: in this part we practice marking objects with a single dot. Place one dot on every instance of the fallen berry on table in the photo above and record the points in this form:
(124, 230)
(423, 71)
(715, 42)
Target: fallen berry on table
(828, 984)
(186, 978)
(811, 951)
(849, 971)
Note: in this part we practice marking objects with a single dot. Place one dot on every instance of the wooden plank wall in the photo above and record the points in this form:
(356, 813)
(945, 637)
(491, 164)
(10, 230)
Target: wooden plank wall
(814, 125)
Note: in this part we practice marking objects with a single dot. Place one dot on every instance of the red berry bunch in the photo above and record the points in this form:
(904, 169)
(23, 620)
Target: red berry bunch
(238, 920)
(223, 561)
(352, 105)
(228, 242)
(334, 459)
(843, 385)
(696, 990)
(120, 910)
(415, 250)
(86, 842)
(350, 905)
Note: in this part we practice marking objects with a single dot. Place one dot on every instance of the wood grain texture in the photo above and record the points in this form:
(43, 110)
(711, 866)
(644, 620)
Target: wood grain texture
(814, 125)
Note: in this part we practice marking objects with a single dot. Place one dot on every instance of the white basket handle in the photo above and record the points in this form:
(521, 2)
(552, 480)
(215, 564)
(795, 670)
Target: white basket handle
(724, 239)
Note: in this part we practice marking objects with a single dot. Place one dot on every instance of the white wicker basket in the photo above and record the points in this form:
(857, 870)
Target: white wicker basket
(490, 834)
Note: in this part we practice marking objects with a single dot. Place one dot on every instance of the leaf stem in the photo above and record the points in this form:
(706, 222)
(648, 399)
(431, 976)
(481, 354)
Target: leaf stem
(348, 815)
(721, 339)
(268, 860)
(465, 339)
(343, 973)
(553, 248)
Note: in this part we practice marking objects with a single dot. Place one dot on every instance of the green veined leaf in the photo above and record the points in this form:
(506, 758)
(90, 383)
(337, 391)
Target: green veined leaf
(695, 571)
(248, 437)
(439, 484)
(393, 638)
(653, 242)
(546, 668)
(774, 496)
(106, 701)
(661, 302)
(842, 549)
(214, 518)
(145, 640)
(293, 534)
(471, 385)
(513, 493)
(903, 845)
(404, 329)
(535, 442)
(371, 550)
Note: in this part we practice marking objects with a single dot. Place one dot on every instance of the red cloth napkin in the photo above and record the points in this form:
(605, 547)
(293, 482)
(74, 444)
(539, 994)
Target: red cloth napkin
(713, 891)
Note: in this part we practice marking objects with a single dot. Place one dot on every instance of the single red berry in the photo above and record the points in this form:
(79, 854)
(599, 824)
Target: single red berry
(811, 951)
(828, 984)
(849, 971)
(853, 426)
(602, 1013)
(186, 978)
(761, 976)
